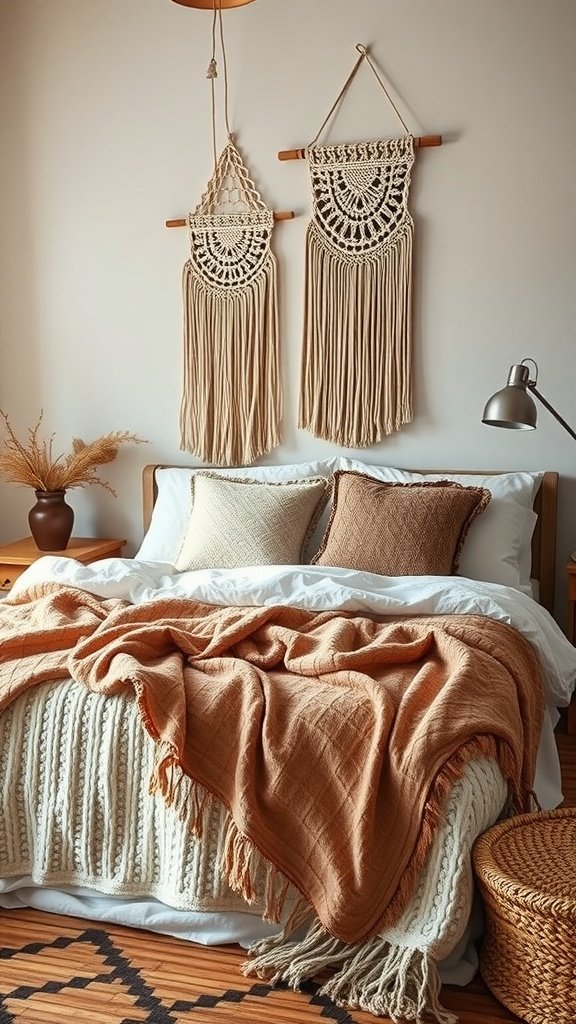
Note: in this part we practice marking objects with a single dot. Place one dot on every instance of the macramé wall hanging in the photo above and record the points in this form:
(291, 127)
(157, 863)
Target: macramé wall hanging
(231, 402)
(356, 352)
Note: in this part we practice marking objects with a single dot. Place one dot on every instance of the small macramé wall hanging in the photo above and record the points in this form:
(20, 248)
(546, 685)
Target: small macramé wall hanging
(231, 401)
(356, 379)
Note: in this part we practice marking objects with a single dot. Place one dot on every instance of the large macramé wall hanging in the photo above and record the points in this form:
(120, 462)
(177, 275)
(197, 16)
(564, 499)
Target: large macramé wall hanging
(231, 401)
(356, 381)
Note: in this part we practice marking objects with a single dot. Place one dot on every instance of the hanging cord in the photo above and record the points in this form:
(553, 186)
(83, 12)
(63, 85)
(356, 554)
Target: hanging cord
(212, 74)
(363, 51)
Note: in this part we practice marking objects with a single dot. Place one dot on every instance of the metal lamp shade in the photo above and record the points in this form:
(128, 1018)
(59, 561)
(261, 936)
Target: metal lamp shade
(514, 406)
(511, 407)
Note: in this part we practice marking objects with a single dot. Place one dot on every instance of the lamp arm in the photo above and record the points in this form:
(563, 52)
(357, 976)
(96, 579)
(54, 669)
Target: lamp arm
(551, 409)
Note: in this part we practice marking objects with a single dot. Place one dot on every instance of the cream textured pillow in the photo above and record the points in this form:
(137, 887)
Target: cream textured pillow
(237, 522)
(173, 505)
(399, 529)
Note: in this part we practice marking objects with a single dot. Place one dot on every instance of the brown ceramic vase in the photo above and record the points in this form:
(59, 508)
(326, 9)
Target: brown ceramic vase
(51, 520)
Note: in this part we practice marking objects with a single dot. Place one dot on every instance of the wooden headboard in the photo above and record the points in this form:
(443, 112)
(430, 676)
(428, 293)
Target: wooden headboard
(543, 540)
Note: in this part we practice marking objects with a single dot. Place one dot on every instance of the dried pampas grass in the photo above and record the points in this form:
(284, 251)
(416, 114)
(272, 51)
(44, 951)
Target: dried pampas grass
(33, 464)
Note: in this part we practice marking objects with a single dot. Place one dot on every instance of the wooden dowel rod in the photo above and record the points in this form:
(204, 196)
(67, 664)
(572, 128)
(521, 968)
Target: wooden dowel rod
(420, 142)
(423, 141)
(292, 154)
(181, 222)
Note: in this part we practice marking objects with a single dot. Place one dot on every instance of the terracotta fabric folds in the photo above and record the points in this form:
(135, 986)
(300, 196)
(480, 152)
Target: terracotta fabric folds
(331, 738)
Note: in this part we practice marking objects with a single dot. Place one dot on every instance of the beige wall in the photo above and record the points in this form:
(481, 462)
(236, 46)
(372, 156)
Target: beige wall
(105, 133)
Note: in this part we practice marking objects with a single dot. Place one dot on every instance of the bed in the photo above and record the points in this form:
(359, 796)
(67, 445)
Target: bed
(437, 670)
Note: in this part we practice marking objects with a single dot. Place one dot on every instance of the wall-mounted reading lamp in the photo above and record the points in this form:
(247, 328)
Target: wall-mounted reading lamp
(513, 406)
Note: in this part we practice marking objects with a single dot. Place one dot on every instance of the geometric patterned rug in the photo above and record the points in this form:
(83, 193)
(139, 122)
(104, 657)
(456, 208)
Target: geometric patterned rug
(124, 976)
(66, 970)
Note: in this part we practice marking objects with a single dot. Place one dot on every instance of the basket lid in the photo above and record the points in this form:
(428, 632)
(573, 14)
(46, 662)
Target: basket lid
(531, 856)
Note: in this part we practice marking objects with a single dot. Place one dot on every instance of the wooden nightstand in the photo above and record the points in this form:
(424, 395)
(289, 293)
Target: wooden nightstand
(571, 634)
(16, 557)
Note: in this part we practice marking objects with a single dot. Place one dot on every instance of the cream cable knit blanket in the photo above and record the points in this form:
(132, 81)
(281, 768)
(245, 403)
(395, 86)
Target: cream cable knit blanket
(75, 809)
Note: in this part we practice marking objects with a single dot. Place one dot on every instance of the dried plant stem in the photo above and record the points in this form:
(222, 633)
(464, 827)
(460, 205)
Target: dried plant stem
(32, 463)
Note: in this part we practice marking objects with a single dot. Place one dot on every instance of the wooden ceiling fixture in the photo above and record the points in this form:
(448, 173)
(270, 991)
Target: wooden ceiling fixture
(209, 5)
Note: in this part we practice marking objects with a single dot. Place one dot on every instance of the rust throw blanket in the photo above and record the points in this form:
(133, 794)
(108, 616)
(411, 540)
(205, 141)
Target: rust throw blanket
(331, 738)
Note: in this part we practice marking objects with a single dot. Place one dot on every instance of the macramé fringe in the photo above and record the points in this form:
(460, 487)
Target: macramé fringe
(355, 383)
(231, 402)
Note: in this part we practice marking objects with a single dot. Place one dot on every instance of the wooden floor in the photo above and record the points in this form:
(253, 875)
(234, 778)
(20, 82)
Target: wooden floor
(58, 969)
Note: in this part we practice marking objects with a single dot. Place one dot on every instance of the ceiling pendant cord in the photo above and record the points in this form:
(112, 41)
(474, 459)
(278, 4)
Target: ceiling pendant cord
(212, 75)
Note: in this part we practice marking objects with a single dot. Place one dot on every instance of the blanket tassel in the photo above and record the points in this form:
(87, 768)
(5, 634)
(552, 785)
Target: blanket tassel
(239, 862)
(257, 880)
(375, 976)
(163, 778)
(188, 799)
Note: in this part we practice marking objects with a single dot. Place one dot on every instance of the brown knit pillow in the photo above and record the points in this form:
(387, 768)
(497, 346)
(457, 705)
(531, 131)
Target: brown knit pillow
(399, 529)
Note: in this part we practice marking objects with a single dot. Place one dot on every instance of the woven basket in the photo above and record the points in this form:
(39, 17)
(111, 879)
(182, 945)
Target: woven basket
(526, 870)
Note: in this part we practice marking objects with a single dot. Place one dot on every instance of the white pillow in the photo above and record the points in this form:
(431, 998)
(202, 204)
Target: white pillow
(173, 506)
(498, 547)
